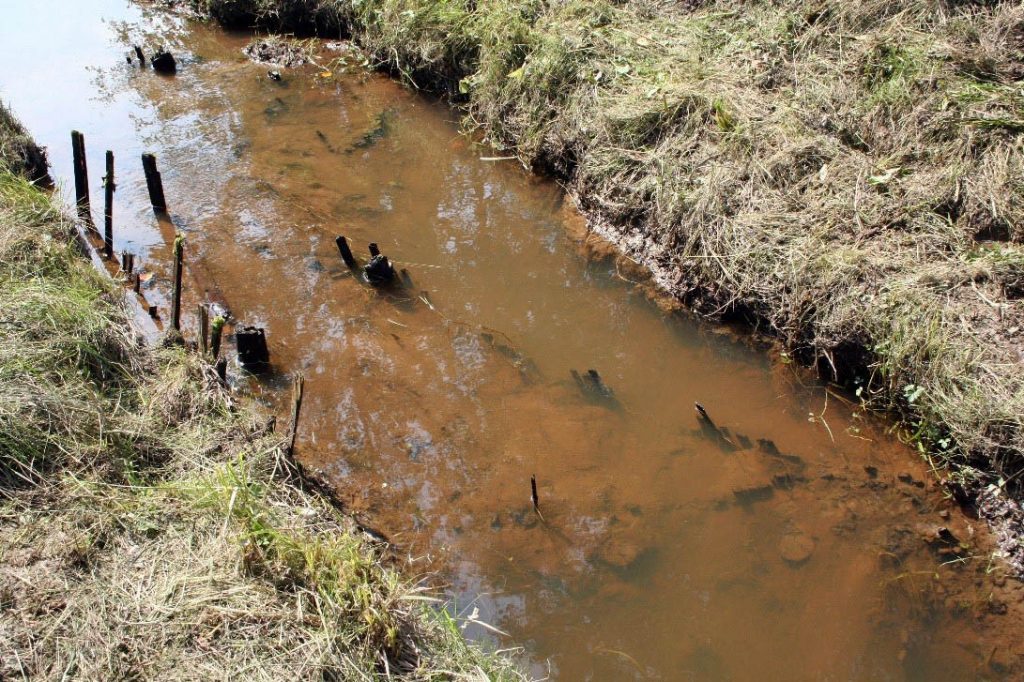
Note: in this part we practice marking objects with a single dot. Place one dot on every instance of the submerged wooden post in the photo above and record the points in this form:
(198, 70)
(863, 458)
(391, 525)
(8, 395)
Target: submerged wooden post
(296, 406)
(108, 207)
(251, 343)
(346, 252)
(204, 328)
(154, 183)
(374, 249)
(81, 173)
(179, 262)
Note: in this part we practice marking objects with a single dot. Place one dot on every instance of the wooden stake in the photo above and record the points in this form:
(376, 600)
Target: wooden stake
(154, 183)
(204, 328)
(374, 249)
(579, 380)
(215, 335)
(346, 252)
(81, 174)
(533, 494)
(296, 406)
(108, 207)
(179, 261)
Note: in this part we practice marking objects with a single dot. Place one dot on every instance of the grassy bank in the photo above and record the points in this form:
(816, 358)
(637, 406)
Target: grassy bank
(150, 526)
(847, 176)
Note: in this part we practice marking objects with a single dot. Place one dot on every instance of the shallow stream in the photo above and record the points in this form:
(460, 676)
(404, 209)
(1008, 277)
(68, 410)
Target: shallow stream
(799, 542)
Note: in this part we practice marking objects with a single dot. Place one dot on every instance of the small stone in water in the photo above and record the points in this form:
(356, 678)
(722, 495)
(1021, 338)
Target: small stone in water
(796, 548)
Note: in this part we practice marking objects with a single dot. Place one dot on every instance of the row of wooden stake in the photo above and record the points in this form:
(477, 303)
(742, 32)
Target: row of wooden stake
(210, 335)
(154, 184)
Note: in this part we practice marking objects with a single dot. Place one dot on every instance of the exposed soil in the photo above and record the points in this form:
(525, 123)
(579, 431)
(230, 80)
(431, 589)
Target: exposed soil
(278, 52)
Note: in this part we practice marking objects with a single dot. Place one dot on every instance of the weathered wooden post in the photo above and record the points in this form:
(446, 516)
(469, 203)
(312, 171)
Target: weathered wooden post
(179, 262)
(345, 251)
(204, 328)
(81, 173)
(251, 343)
(163, 61)
(296, 406)
(108, 207)
(154, 183)
(217, 329)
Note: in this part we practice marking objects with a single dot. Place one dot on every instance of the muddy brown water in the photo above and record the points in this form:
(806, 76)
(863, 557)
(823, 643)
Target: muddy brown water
(799, 543)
